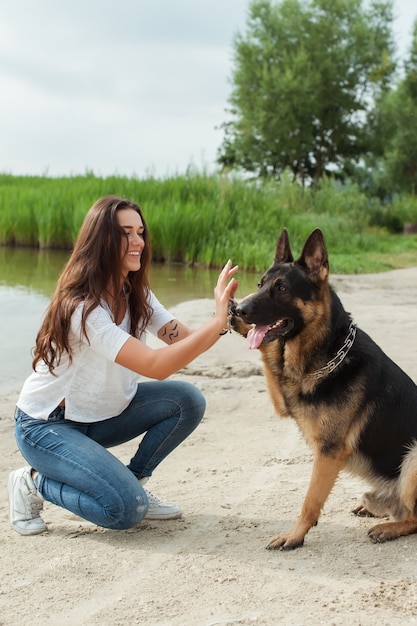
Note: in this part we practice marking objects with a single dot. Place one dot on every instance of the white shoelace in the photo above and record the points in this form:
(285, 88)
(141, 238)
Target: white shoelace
(153, 500)
(35, 505)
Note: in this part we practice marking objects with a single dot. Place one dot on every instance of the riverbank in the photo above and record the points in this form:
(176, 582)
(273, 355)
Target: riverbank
(240, 478)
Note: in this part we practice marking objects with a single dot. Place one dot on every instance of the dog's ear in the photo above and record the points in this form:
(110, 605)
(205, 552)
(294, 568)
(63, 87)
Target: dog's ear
(283, 252)
(314, 256)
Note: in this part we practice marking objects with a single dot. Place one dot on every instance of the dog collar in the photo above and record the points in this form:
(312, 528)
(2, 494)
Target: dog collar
(339, 356)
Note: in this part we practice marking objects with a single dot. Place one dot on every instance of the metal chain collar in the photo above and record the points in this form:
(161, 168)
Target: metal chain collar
(340, 355)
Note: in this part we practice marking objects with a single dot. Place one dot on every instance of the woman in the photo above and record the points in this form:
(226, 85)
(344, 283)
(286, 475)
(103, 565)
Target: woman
(83, 395)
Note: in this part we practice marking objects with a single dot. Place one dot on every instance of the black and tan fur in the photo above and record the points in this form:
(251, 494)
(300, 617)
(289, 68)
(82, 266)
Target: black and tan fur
(360, 416)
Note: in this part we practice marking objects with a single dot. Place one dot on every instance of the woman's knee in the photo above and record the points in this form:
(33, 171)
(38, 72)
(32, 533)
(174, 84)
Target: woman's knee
(193, 399)
(131, 512)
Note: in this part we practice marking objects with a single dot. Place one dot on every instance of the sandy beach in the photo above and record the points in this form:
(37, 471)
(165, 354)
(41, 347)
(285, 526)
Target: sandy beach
(240, 479)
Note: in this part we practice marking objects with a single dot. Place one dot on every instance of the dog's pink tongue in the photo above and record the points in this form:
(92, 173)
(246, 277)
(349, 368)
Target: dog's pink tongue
(255, 336)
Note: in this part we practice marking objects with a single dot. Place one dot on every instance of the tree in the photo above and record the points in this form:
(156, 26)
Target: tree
(305, 78)
(396, 129)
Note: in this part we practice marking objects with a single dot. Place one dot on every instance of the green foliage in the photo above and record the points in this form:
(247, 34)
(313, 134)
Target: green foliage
(304, 81)
(395, 122)
(393, 216)
(201, 220)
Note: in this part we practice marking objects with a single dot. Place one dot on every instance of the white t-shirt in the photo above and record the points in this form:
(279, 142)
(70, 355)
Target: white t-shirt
(93, 385)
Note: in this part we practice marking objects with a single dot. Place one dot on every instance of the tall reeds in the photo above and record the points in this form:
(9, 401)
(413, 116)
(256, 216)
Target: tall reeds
(200, 219)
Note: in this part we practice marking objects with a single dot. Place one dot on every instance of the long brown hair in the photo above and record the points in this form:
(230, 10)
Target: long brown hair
(94, 264)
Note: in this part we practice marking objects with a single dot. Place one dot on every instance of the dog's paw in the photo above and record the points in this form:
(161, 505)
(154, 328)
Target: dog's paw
(236, 322)
(285, 542)
(392, 530)
(232, 306)
(232, 317)
(383, 532)
(361, 511)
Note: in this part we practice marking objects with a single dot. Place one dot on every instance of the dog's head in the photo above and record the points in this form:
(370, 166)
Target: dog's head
(279, 309)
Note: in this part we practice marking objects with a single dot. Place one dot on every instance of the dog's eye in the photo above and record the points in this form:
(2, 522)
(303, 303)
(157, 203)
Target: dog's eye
(259, 284)
(282, 287)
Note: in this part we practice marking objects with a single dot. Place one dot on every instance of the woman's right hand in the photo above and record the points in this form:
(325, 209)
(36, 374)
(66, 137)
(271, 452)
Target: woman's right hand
(224, 290)
(163, 362)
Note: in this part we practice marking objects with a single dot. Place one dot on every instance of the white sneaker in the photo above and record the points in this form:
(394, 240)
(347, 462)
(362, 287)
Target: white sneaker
(25, 503)
(160, 510)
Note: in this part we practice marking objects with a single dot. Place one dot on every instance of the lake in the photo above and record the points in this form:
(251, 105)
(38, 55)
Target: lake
(27, 281)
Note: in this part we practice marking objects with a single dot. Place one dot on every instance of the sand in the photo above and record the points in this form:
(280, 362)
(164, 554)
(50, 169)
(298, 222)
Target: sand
(240, 479)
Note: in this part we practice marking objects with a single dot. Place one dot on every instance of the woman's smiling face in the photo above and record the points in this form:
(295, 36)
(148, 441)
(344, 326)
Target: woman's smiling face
(132, 224)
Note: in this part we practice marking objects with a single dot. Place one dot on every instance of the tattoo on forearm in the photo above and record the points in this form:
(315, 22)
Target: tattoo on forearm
(172, 331)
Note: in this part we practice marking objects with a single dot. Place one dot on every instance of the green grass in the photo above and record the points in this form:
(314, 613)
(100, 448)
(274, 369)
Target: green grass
(202, 220)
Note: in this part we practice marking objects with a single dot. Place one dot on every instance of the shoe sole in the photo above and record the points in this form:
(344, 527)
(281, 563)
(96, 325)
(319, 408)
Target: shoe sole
(163, 517)
(28, 532)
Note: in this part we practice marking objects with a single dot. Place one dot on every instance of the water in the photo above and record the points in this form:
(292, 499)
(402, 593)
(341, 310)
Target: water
(27, 281)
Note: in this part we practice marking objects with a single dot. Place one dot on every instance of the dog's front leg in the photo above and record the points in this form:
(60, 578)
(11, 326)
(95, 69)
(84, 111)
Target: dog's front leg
(323, 477)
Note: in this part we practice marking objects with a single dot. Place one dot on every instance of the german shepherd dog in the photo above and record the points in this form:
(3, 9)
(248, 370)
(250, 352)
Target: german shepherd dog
(355, 407)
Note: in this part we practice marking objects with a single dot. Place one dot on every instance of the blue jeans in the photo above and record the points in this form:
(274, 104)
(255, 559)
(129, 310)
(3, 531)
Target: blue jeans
(78, 473)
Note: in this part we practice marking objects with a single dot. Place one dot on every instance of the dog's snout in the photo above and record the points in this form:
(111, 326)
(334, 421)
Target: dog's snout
(242, 310)
(245, 308)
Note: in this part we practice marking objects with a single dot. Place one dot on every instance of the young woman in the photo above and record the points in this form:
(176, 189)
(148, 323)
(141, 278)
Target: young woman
(83, 395)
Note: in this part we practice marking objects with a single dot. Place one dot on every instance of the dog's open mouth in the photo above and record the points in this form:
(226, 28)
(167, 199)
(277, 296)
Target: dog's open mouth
(263, 334)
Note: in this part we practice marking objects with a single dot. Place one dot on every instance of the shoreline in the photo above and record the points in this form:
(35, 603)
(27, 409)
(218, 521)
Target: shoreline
(240, 478)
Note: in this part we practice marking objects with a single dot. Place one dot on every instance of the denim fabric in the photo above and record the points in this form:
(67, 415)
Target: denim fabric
(77, 472)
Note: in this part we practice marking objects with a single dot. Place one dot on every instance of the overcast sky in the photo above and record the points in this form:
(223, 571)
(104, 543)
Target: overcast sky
(130, 87)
